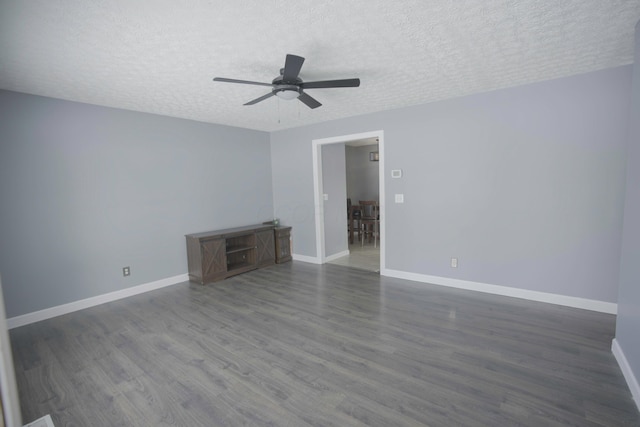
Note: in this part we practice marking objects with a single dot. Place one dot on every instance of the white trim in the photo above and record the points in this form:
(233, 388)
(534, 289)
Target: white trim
(9, 398)
(383, 214)
(627, 372)
(336, 256)
(568, 301)
(45, 421)
(59, 310)
(318, 200)
(305, 258)
(318, 190)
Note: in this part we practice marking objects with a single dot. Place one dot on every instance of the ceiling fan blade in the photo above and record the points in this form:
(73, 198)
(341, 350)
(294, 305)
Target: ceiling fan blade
(292, 67)
(308, 100)
(331, 83)
(246, 82)
(262, 98)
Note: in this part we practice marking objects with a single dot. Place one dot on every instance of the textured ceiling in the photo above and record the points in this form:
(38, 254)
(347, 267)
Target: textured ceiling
(160, 56)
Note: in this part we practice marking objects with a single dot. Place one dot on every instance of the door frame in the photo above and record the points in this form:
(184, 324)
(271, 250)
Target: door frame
(8, 389)
(318, 190)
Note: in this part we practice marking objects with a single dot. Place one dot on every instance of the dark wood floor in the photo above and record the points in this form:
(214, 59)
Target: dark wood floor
(299, 344)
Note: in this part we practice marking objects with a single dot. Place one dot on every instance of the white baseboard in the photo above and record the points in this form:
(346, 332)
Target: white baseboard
(587, 304)
(59, 310)
(627, 372)
(601, 306)
(305, 258)
(336, 256)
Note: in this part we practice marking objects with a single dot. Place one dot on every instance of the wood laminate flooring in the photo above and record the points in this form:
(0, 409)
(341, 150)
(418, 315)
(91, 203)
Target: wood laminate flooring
(305, 345)
(364, 257)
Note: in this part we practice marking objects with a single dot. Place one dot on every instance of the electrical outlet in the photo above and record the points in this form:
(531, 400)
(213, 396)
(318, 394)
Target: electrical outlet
(454, 262)
(126, 271)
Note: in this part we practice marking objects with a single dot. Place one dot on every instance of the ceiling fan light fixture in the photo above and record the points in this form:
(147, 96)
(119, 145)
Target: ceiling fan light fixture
(287, 94)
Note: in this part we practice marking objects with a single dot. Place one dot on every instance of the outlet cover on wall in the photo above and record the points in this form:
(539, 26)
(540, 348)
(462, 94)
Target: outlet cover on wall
(454, 262)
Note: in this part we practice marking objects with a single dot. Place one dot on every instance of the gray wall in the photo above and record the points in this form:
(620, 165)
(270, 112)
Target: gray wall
(628, 320)
(524, 185)
(87, 190)
(335, 209)
(362, 174)
(293, 192)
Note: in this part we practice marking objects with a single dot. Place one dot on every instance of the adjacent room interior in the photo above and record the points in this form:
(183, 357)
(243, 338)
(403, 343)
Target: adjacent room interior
(505, 224)
(362, 184)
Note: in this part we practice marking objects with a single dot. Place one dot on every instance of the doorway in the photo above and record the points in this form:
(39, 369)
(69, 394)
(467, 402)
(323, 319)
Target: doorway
(319, 194)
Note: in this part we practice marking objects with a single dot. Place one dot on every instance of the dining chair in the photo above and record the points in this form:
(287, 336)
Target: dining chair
(353, 220)
(370, 220)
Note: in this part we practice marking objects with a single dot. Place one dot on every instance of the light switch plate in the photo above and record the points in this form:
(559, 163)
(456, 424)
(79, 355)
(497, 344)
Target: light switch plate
(325, 197)
(399, 198)
(396, 173)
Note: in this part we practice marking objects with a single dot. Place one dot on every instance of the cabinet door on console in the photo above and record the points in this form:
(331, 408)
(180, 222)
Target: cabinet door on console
(214, 258)
(283, 244)
(265, 247)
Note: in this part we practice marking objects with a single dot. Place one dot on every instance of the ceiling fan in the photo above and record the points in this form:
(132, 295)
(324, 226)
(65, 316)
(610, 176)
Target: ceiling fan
(289, 86)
